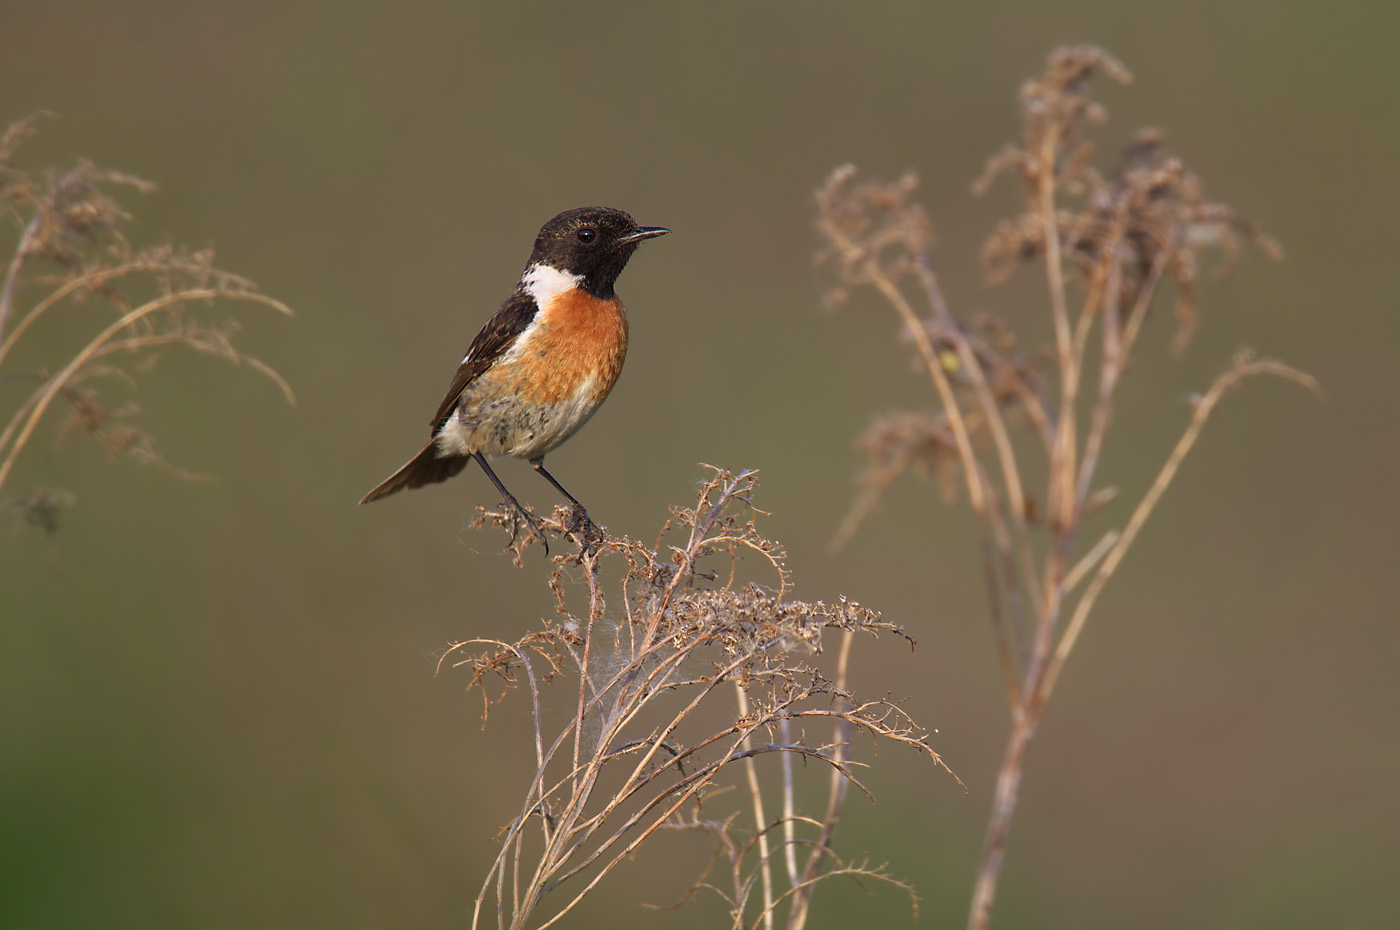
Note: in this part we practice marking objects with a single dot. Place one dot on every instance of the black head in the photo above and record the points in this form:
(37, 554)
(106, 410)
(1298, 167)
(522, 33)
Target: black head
(594, 242)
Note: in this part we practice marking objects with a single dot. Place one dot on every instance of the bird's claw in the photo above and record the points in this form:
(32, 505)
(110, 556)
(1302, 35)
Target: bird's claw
(519, 514)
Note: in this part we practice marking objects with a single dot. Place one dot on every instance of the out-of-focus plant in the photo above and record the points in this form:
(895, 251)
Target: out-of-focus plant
(1107, 244)
(70, 257)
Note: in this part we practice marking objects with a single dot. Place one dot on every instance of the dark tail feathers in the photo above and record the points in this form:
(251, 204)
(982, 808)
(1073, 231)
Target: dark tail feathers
(425, 468)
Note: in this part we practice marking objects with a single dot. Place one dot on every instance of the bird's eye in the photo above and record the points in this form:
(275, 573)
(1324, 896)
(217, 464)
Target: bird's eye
(587, 234)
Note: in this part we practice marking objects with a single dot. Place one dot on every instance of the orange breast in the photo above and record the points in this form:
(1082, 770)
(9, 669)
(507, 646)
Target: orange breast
(580, 338)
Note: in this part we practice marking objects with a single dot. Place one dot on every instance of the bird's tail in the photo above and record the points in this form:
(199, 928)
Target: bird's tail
(427, 467)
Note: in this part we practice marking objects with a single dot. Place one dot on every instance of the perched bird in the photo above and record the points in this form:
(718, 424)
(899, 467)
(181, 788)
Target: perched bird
(542, 364)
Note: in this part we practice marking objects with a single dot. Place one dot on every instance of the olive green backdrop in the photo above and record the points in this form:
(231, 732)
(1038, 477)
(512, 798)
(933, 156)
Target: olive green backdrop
(217, 702)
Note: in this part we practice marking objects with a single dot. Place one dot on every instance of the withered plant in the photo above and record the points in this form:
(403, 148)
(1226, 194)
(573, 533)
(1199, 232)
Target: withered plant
(677, 682)
(1107, 243)
(71, 262)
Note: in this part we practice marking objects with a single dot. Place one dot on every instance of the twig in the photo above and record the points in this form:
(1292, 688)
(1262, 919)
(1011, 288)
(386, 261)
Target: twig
(1204, 407)
(601, 798)
(11, 284)
(836, 800)
(57, 383)
(760, 819)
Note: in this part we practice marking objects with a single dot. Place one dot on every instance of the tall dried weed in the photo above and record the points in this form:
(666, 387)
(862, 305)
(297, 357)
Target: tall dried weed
(71, 255)
(1106, 241)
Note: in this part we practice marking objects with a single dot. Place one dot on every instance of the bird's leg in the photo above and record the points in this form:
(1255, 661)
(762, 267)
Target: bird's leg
(590, 529)
(518, 512)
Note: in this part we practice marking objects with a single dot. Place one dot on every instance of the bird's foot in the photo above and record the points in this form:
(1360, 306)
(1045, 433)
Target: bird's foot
(585, 532)
(519, 515)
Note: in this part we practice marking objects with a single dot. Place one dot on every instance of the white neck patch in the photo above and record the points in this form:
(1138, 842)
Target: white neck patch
(545, 282)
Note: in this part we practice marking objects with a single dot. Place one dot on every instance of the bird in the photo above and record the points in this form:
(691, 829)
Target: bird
(542, 364)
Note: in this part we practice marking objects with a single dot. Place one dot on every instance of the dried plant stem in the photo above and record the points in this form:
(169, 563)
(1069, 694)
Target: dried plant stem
(1118, 234)
(1025, 712)
(627, 760)
(1090, 559)
(790, 797)
(999, 823)
(1011, 476)
(1006, 456)
(1115, 546)
(760, 819)
(96, 279)
(980, 497)
(976, 490)
(45, 396)
(1067, 473)
(1062, 453)
(11, 284)
(1204, 408)
(1117, 346)
(69, 251)
(836, 800)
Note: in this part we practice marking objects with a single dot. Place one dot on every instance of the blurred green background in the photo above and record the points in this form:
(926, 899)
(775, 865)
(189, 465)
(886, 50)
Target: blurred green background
(218, 701)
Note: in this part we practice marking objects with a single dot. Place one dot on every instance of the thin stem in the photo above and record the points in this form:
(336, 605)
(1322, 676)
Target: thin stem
(789, 803)
(11, 284)
(1062, 453)
(760, 819)
(994, 540)
(1006, 457)
(1204, 408)
(56, 384)
(882, 282)
(1061, 510)
(991, 410)
(595, 607)
(1116, 348)
(999, 824)
(836, 800)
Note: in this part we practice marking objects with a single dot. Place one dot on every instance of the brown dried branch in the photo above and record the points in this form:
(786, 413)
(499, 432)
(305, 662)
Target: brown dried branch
(643, 743)
(1112, 237)
(72, 252)
(1243, 367)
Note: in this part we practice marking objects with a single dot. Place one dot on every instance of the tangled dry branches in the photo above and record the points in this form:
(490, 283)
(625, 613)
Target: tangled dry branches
(652, 728)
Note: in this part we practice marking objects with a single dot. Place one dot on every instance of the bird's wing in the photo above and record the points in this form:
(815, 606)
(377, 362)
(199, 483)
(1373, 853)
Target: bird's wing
(490, 344)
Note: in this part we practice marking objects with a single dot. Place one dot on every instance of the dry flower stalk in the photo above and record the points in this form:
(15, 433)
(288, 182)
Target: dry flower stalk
(653, 733)
(1107, 243)
(71, 252)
